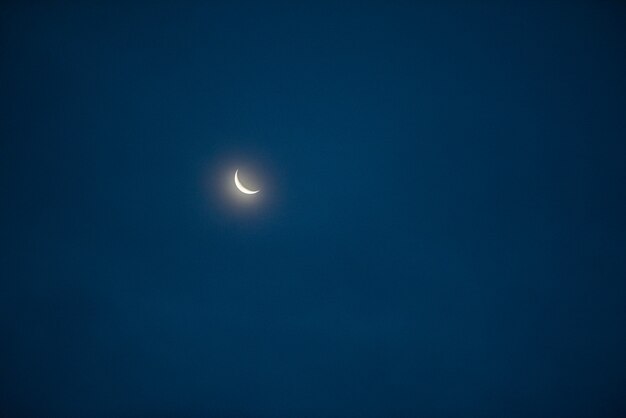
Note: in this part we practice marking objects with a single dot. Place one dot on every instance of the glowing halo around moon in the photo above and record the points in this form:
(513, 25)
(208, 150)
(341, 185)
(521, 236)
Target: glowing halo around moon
(241, 187)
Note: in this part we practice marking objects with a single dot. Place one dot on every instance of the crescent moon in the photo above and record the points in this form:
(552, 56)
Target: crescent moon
(241, 187)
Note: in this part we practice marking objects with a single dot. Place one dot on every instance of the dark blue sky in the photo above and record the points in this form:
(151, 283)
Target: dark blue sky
(441, 230)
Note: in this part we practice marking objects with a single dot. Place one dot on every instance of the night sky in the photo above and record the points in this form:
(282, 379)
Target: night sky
(440, 232)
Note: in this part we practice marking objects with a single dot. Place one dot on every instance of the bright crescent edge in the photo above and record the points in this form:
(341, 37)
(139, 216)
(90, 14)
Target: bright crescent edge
(241, 187)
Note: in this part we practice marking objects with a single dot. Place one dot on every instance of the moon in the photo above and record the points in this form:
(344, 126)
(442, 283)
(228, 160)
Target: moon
(241, 187)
